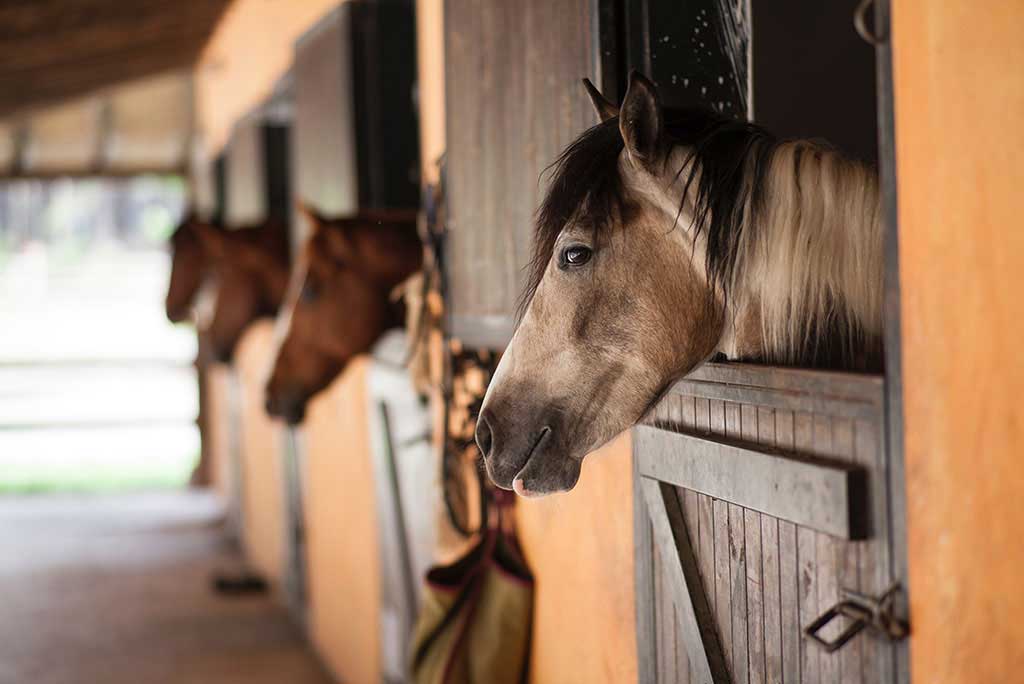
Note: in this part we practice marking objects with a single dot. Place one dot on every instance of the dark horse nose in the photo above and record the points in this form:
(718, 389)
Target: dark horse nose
(499, 449)
(483, 435)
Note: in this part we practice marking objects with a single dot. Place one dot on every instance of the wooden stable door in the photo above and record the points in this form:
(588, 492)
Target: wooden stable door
(769, 502)
(762, 502)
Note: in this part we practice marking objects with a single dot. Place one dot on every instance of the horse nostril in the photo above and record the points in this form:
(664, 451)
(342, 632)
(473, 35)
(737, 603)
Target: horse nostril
(484, 438)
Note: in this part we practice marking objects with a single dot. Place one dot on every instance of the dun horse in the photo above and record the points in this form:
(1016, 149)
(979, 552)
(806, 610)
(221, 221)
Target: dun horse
(340, 302)
(188, 267)
(667, 237)
(250, 267)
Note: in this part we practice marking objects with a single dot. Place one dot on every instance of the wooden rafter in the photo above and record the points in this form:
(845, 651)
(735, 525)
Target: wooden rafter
(53, 50)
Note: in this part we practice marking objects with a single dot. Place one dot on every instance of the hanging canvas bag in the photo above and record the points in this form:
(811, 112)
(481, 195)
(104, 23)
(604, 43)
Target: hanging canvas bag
(477, 613)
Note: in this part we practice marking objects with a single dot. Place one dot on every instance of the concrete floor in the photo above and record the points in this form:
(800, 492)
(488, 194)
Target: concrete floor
(115, 589)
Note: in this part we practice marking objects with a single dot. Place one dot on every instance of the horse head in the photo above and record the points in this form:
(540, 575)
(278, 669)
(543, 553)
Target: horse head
(665, 237)
(250, 266)
(188, 268)
(340, 301)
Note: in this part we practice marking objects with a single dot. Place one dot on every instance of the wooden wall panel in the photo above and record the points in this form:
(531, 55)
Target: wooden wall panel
(246, 173)
(580, 549)
(357, 135)
(514, 101)
(263, 500)
(326, 172)
(959, 100)
(341, 530)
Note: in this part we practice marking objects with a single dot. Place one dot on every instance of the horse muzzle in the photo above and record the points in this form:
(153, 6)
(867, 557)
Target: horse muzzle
(288, 406)
(531, 462)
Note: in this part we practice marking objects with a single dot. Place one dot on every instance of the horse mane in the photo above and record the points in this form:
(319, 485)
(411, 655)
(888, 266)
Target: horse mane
(792, 224)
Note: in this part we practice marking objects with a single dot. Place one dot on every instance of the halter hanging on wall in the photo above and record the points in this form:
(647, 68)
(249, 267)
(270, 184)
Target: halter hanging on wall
(465, 375)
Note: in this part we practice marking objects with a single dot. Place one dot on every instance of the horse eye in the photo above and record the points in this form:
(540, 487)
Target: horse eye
(309, 292)
(576, 255)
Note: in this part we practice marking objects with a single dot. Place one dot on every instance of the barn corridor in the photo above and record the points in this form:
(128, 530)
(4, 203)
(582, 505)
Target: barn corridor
(115, 588)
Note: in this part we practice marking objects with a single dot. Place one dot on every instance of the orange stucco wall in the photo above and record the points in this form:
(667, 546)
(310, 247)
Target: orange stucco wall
(341, 530)
(343, 572)
(580, 548)
(430, 65)
(263, 490)
(250, 49)
(218, 426)
(960, 157)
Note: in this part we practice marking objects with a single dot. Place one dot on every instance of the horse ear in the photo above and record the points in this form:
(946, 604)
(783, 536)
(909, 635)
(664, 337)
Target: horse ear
(310, 214)
(338, 240)
(641, 123)
(605, 109)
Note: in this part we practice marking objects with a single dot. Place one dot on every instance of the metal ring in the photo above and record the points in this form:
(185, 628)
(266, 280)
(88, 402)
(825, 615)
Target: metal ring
(860, 23)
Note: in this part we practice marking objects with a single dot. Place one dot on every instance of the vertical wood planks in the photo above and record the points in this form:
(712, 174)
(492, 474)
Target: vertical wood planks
(755, 595)
(850, 669)
(711, 418)
(689, 505)
(770, 571)
(737, 564)
(789, 568)
(513, 102)
(764, 578)
(828, 591)
(874, 573)
(807, 559)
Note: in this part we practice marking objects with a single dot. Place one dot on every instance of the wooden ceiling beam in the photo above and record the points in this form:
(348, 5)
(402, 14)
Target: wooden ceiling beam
(54, 50)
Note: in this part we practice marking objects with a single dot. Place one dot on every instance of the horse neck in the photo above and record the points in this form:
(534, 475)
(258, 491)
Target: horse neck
(394, 251)
(810, 267)
(274, 274)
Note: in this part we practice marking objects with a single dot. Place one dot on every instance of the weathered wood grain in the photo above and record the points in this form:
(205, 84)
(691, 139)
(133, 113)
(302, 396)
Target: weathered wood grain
(813, 493)
(807, 563)
(768, 577)
(514, 101)
(682, 577)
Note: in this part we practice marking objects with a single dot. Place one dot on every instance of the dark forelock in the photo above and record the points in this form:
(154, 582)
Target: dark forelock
(586, 185)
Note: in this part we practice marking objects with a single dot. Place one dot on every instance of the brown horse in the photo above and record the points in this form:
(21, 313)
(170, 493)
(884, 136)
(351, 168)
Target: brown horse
(189, 266)
(341, 301)
(667, 237)
(250, 267)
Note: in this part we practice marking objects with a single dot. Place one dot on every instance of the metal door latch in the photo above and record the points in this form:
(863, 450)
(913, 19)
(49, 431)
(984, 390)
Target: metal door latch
(864, 611)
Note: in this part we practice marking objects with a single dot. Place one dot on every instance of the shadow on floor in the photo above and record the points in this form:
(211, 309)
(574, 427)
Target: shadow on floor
(114, 589)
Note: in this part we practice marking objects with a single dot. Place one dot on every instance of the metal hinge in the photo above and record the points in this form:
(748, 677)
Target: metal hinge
(864, 611)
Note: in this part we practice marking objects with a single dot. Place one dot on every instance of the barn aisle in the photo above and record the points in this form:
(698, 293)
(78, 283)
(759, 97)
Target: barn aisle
(114, 588)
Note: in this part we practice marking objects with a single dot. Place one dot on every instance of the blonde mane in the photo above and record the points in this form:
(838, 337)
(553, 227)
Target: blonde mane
(811, 260)
(790, 230)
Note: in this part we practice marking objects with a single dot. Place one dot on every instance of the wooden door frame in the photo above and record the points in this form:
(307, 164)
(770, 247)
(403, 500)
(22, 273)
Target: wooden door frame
(893, 338)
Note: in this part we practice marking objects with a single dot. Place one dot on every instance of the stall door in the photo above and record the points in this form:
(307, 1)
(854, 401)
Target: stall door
(762, 503)
(769, 501)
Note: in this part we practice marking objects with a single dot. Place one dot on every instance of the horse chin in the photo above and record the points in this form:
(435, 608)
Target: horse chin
(177, 315)
(545, 476)
(290, 409)
(223, 353)
(548, 467)
(295, 415)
